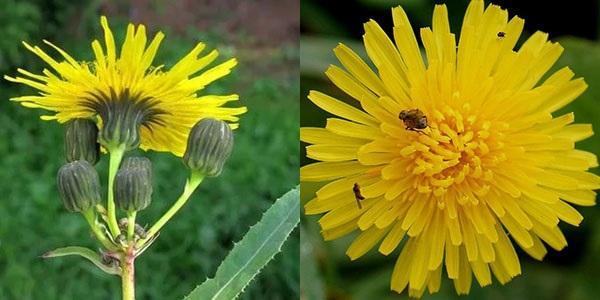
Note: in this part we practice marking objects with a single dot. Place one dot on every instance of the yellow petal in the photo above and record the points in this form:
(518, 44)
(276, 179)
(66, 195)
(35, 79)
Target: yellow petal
(551, 235)
(392, 239)
(348, 84)
(359, 69)
(313, 135)
(400, 276)
(506, 253)
(341, 109)
(463, 283)
(351, 129)
(364, 242)
(331, 153)
(517, 231)
(323, 171)
(567, 213)
(482, 272)
(337, 232)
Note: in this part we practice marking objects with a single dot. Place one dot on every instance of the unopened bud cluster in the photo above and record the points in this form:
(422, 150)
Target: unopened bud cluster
(209, 145)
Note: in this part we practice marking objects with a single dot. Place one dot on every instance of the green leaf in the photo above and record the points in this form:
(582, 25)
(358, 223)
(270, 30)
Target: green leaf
(254, 251)
(85, 253)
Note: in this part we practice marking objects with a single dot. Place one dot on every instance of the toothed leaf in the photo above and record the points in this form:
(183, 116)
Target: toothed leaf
(254, 251)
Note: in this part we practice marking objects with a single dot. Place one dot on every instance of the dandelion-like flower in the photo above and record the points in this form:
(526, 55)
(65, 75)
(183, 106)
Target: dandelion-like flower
(139, 103)
(490, 163)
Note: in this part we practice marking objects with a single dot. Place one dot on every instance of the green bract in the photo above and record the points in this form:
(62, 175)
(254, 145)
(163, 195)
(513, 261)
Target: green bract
(122, 114)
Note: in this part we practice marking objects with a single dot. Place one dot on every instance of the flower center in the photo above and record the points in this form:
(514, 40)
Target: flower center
(122, 115)
(457, 152)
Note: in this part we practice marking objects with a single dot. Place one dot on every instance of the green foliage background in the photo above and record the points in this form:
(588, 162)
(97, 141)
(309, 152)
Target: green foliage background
(32, 219)
(327, 273)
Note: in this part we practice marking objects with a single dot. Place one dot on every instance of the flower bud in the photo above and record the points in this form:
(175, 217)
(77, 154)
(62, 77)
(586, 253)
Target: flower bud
(78, 186)
(81, 141)
(209, 145)
(133, 184)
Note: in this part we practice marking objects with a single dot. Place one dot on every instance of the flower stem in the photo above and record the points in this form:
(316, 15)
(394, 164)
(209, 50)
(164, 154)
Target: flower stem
(131, 225)
(116, 155)
(128, 276)
(190, 186)
(90, 216)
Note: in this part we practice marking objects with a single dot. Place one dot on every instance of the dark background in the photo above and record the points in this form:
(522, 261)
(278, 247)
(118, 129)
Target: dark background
(577, 18)
(263, 35)
(570, 274)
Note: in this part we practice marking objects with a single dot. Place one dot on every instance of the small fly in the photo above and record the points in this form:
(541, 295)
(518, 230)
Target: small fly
(359, 197)
(413, 119)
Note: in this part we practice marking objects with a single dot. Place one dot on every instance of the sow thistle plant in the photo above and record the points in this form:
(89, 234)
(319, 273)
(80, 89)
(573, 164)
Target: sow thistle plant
(451, 158)
(119, 103)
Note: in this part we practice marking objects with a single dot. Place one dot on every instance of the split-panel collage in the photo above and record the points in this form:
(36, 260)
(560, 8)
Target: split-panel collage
(299, 149)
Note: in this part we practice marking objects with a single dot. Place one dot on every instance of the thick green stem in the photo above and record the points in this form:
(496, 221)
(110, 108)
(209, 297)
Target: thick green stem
(116, 155)
(131, 225)
(90, 216)
(128, 276)
(190, 186)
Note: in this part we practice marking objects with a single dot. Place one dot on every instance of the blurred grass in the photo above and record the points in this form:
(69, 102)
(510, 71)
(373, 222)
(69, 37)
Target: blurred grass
(263, 166)
(570, 274)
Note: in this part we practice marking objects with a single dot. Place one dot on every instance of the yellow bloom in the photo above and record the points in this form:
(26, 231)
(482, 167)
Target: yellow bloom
(163, 104)
(493, 162)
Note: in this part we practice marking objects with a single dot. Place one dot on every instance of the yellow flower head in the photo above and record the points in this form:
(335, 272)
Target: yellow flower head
(490, 160)
(127, 89)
